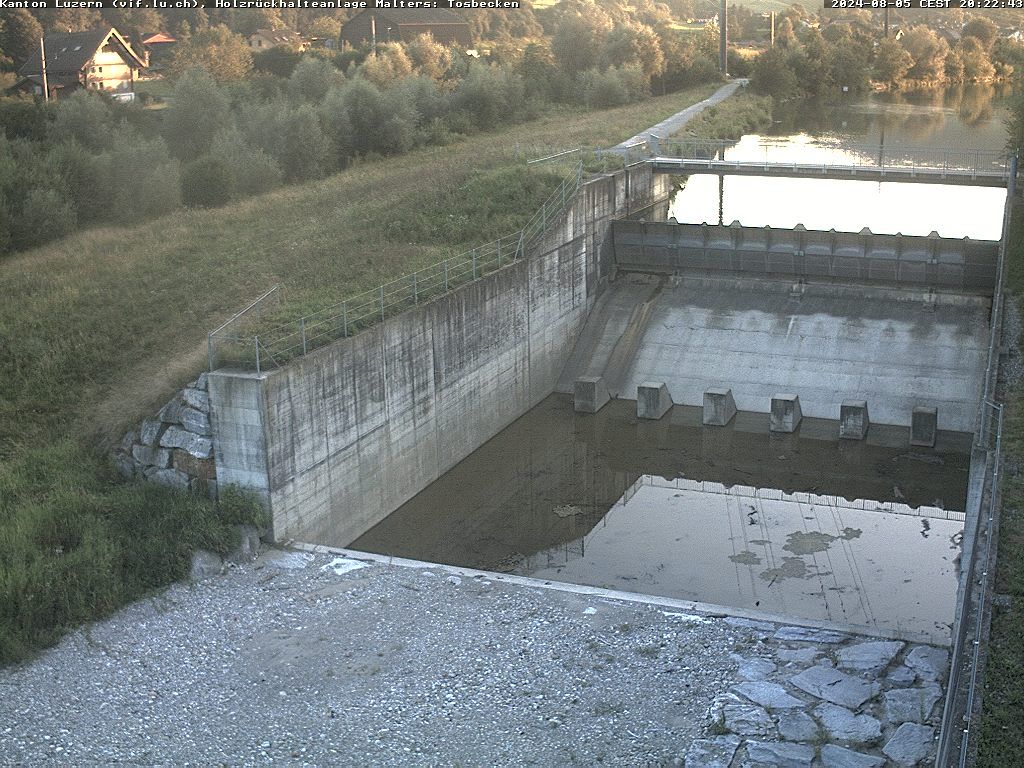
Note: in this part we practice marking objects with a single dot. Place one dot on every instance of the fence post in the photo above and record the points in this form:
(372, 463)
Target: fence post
(474, 263)
(415, 290)
(257, 340)
(302, 329)
(499, 253)
(382, 302)
(209, 352)
(446, 275)
(344, 319)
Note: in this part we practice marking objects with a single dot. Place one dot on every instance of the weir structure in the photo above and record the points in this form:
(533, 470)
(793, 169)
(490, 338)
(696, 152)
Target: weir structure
(355, 420)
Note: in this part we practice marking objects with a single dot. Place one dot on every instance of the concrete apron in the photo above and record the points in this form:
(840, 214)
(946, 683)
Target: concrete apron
(705, 609)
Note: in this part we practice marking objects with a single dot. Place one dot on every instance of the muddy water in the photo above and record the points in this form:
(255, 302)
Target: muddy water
(805, 525)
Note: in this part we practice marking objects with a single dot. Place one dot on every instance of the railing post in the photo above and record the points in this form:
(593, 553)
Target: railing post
(382, 302)
(499, 253)
(415, 290)
(209, 352)
(344, 319)
(256, 339)
(446, 275)
(474, 263)
(302, 329)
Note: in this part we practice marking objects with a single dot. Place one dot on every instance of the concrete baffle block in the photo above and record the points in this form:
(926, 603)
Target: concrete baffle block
(652, 400)
(719, 407)
(853, 419)
(785, 414)
(591, 394)
(924, 424)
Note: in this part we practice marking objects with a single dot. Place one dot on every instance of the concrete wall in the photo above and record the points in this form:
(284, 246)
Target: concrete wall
(340, 438)
(940, 263)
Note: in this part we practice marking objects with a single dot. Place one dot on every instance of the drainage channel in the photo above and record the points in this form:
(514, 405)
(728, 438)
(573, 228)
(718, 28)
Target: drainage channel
(805, 526)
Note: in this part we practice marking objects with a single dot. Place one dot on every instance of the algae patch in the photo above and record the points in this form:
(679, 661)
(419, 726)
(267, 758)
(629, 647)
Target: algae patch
(810, 542)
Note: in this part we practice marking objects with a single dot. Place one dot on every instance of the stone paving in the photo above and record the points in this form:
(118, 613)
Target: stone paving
(822, 699)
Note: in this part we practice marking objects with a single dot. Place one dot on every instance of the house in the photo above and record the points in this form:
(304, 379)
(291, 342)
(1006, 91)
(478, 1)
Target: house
(97, 60)
(262, 39)
(385, 25)
(160, 47)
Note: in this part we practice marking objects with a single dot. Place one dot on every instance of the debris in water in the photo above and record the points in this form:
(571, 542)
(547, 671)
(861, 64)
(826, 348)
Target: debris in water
(791, 568)
(745, 558)
(801, 543)
(568, 510)
(925, 527)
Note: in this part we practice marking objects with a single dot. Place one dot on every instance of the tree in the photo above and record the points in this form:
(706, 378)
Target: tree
(983, 30)
(279, 61)
(928, 51)
(976, 64)
(312, 79)
(19, 36)
(634, 44)
(429, 57)
(70, 19)
(198, 112)
(578, 40)
(45, 215)
(892, 62)
(84, 118)
(217, 50)
(207, 182)
(772, 74)
(133, 23)
(254, 171)
(389, 63)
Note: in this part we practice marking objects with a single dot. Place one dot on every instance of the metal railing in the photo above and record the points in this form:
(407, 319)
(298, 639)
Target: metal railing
(274, 346)
(954, 161)
(956, 733)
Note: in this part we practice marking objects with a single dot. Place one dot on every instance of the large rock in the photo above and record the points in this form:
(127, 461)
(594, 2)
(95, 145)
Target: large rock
(129, 439)
(249, 545)
(808, 635)
(172, 478)
(169, 413)
(152, 456)
(781, 754)
(176, 437)
(202, 469)
(833, 756)
(872, 656)
(797, 725)
(728, 711)
(798, 655)
(835, 686)
(756, 669)
(931, 664)
(196, 398)
(205, 565)
(195, 421)
(716, 752)
(911, 744)
(843, 725)
(126, 465)
(913, 705)
(768, 695)
(901, 675)
(149, 433)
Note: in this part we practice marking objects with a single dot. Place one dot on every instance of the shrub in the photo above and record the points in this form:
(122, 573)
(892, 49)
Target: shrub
(208, 182)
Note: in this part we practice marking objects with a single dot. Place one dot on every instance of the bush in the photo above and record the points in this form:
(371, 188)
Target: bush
(312, 79)
(45, 215)
(490, 95)
(255, 171)
(208, 182)
(200, 110)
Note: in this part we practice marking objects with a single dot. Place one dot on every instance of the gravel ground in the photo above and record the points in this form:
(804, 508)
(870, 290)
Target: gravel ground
(381, 665)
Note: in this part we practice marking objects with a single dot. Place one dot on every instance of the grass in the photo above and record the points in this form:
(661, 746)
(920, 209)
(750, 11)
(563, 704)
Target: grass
(99, 329)
(1002, 740)
(742, 113)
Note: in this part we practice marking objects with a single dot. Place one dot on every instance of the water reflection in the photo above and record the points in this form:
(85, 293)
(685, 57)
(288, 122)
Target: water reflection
(962, 117)
(802, 524)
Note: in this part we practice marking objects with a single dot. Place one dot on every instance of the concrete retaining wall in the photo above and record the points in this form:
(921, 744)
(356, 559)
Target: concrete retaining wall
(940, 263)
(340, 438)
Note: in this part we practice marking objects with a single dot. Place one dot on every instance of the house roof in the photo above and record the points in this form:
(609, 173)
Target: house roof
(279, 35)
(71, 51)
(158, 37)
(419, 16)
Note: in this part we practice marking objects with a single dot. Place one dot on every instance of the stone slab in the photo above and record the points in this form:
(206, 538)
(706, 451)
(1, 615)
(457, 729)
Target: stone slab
(719, 407)
(833, 756)
(809, 635)
(176, 437)
(716, 752)
(781, 754)
(910, 705)
(931, 664)
(853, 419)
(872, 656)
(797, 725)
(845, 726)
(152, 456)
(911, 744)
(756, 669)
(652, 400)
(195, 421)
(196, 398)
(835, 686)
(768, 695)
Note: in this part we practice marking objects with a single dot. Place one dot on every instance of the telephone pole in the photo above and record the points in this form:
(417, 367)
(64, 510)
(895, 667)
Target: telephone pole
(723, 37)
(42, 59)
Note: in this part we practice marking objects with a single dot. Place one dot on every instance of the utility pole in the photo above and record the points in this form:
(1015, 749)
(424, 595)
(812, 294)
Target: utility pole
(771, 29)
(42, 59)
(373, 33)
(885, 32)
(723, 37)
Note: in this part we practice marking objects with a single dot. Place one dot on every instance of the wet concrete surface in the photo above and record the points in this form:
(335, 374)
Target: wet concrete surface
(861, 533)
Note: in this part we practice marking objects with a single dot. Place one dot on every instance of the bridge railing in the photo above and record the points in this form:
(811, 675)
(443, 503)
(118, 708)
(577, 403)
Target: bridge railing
(950, 160)
(235, 344)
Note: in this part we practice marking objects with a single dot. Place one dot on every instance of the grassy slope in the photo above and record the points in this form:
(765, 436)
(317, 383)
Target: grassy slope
(1002, 739)
(107, 323)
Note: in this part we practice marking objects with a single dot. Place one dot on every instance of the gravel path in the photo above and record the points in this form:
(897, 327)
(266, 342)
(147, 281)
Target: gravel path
(671, 125)
(286, 661)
